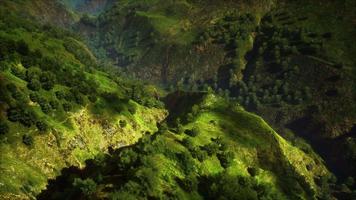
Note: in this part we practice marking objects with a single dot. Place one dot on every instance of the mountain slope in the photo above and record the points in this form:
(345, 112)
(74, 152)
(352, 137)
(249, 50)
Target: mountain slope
(57, 110)
(68, 118)
(290, 62)
(158, 40)
(42, 11)
(215, 145)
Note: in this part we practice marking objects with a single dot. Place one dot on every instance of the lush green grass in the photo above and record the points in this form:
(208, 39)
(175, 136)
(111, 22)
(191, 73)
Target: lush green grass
(159, 166)
(75, 136)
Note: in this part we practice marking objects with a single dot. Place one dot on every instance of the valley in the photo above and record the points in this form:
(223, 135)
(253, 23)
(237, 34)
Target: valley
(178, 99)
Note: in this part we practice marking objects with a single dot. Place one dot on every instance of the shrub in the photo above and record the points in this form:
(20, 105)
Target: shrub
(92, 98)
(189, 184)
(211, 148)
(35, 97)
(186, 161)
(27, 140)
(127, 158)
(22, 47)
(193, 132)
(54, 104)
(60, 94)
(79, 99)
(19, 96)
(14, 114)
(18, 72)
(42, 126)
(11, 88)
(225, 158)
(67, 107)
(45, 107)
(87, 186)
(199, 154)
(188, 143)
(34, 85)
(33, 73)
(25, 117)
(4, 128)
(122, 123)
(253, 171)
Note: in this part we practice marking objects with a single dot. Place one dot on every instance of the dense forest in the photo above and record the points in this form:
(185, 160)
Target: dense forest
(177, 99)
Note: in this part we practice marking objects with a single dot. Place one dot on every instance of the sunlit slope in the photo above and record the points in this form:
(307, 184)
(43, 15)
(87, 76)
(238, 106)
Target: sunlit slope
(222, 152)
(57, 110)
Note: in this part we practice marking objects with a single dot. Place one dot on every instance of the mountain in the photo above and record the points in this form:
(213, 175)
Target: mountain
(214, 154)
(177, 99)
(42, 11)
(58, 109)
(290, 62)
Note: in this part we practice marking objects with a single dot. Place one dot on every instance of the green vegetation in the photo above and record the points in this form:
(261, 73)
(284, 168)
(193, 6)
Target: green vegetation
(74, 106)
(241, 157)
(56, 106)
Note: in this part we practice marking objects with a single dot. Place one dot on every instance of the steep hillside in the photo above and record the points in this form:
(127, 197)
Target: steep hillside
(79, 118)
(158, 40)
(301, 76)
(216, 154)
(289, 61)
(57, 110)
(40, 10)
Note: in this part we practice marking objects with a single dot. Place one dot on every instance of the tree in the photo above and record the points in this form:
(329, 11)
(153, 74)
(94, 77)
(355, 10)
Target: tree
(225, 158)
(27, 139)
(122, 123)
(60, 94)
(42, 126)
(11, 88)
(87, 186)
(22, 47)
(199, 154)
(67, 107)
(188, 143)
(47, 80)
(25, 117)
(211, 148)
(92, 98)
(34, 85)
(54, 104)
(45, 107)
(253, 171)
(14, 114)
(4, 128)
(189, 184)
(127, 158)
(192, 132)
(34, 97)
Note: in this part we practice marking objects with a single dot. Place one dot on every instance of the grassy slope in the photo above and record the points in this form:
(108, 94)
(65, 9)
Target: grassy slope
(253, 142)
(75, 136)
(28, 173)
